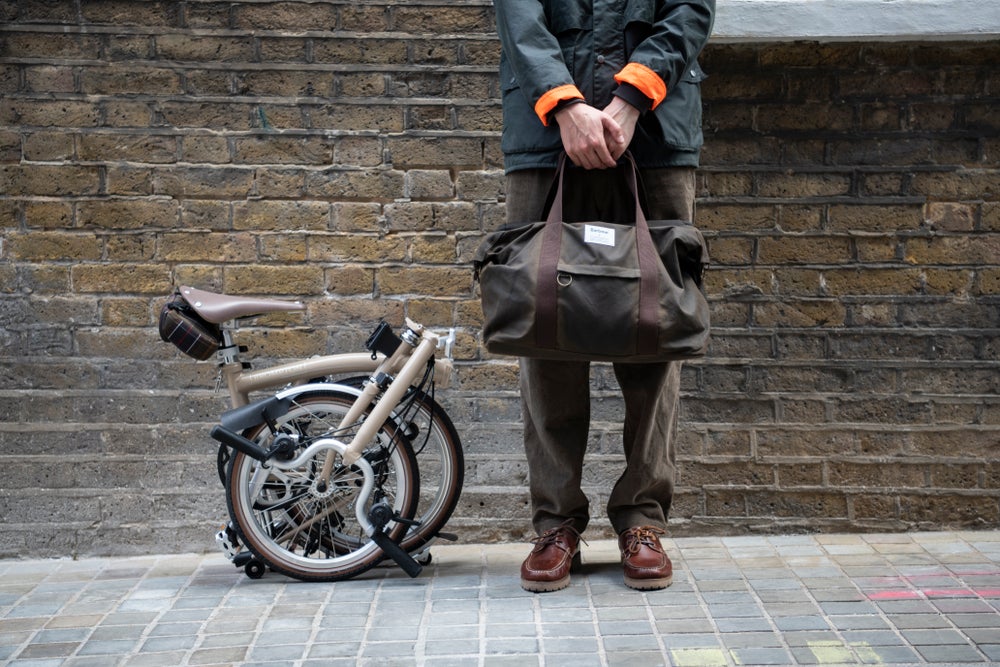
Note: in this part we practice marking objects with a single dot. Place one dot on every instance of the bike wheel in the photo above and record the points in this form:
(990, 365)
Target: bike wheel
(440, 460)
(308, 533)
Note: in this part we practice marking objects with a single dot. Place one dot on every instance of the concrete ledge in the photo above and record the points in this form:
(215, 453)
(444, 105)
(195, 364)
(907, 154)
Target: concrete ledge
(852, 20)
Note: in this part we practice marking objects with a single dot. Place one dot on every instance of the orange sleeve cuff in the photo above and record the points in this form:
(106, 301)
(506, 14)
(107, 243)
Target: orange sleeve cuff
(547, 102)
(646, 80)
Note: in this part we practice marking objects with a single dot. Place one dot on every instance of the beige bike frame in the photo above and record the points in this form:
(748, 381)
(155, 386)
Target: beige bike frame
(241, 382)
(406, 363)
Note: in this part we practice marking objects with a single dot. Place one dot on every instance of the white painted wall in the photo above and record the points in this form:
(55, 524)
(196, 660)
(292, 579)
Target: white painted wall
(842, 20)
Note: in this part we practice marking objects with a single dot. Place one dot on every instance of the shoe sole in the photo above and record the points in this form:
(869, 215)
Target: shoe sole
(545, 586)
(549, 586)
(648, 584)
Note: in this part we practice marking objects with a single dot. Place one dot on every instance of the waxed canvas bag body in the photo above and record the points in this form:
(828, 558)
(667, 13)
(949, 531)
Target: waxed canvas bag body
(594, 291)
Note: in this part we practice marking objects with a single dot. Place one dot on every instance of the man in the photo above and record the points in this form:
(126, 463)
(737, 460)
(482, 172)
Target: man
(594, 78)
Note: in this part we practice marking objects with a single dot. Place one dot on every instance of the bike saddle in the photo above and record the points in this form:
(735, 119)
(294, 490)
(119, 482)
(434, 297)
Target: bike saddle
(219, 308)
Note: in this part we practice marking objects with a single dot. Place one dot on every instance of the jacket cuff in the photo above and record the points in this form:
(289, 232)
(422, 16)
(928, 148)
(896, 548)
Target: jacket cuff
(634, 96)
(646, 80)
(550, 100)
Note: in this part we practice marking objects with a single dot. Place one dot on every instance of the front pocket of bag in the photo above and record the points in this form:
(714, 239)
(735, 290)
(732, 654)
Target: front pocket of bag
(597, 313)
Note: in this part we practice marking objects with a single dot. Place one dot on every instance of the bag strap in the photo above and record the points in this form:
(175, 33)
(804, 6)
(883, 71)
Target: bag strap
(648, 334)
(547, 284)
(546, 298)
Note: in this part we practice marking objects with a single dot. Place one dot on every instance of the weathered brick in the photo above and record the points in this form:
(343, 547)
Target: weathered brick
(121, 279)
(963, 184)
(789, 249)
(282, 247)
(356, 117)
(431, 313)
(351, 280)
(358, 151)
(434, 282)
(433, 250)
(204, 48)
(870, 218)
(125, 312)
(436, 152)
(54, 246)
(454, 19)
(122, 12)
(126, 113)
(274, 149)
(429, 184)
(48, 214)
(285, 16)
(115, 79)
(798, 281)
(988, 281)
(731, 218)
(203, 181)
(360, 50)
(873, 281)
(207, 247)
(53, 45)
(726, 184)
(281, 215)
(202, 149)
(873, 475)
(130, 247)
(790, 117)
(964, 250)
(799, 185)
(114, 147)
(48, 180)
(356, 248)
(368, 185)
(191, 113)
(260, 279)
(128, 214)
(448, 217)
(199, 82)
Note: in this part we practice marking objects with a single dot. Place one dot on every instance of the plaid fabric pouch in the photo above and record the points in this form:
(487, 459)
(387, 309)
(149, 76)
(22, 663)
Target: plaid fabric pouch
(181, 325)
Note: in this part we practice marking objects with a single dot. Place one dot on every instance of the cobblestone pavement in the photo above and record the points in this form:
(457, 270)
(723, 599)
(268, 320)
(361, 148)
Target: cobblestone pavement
(908, 599)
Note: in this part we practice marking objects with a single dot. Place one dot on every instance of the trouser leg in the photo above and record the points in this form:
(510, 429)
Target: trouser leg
(644, 492)
(555, 399)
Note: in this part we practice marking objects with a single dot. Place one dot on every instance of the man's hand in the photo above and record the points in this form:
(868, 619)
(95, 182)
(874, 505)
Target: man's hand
(585, 133)
(626, 116)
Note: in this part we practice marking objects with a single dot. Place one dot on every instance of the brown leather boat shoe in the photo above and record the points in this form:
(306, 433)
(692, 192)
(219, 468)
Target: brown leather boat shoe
(647, 567)
(555, 555)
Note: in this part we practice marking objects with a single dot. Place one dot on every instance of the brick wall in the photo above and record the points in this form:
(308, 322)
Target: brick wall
(348, 154)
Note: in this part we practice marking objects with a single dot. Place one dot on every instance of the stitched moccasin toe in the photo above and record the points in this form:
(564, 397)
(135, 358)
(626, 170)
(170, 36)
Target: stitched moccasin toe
(555, 554)
(647, 566)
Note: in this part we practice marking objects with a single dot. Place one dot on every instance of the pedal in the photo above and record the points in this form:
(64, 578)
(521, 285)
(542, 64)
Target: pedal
(228, 543)
(451, 537)
(379, 515)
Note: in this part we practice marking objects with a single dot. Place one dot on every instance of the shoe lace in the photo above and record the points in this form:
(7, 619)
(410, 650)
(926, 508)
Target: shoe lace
(643, 536)
(553, 537)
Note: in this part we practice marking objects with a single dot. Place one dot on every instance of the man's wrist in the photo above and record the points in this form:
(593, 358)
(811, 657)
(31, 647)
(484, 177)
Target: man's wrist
(564, 104)
(633, 96)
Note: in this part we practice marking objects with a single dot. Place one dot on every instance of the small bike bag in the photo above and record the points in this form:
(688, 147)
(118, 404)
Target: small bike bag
(182, 326)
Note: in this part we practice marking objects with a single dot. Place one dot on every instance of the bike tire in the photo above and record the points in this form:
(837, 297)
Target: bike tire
(282, 520)
(440, 461)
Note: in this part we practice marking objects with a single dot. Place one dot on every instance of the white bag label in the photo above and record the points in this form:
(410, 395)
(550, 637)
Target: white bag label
(599, 235)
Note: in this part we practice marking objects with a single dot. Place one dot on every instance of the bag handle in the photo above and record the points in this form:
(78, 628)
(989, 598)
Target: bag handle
(648, 333)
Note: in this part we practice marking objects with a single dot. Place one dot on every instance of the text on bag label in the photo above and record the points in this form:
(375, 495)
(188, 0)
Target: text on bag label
(599, 235)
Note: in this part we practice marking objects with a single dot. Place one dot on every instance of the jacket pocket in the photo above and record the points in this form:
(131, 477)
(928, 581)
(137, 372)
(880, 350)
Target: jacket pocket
(677, 121)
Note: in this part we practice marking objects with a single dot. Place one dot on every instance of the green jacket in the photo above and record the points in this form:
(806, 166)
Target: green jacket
(554, 51)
